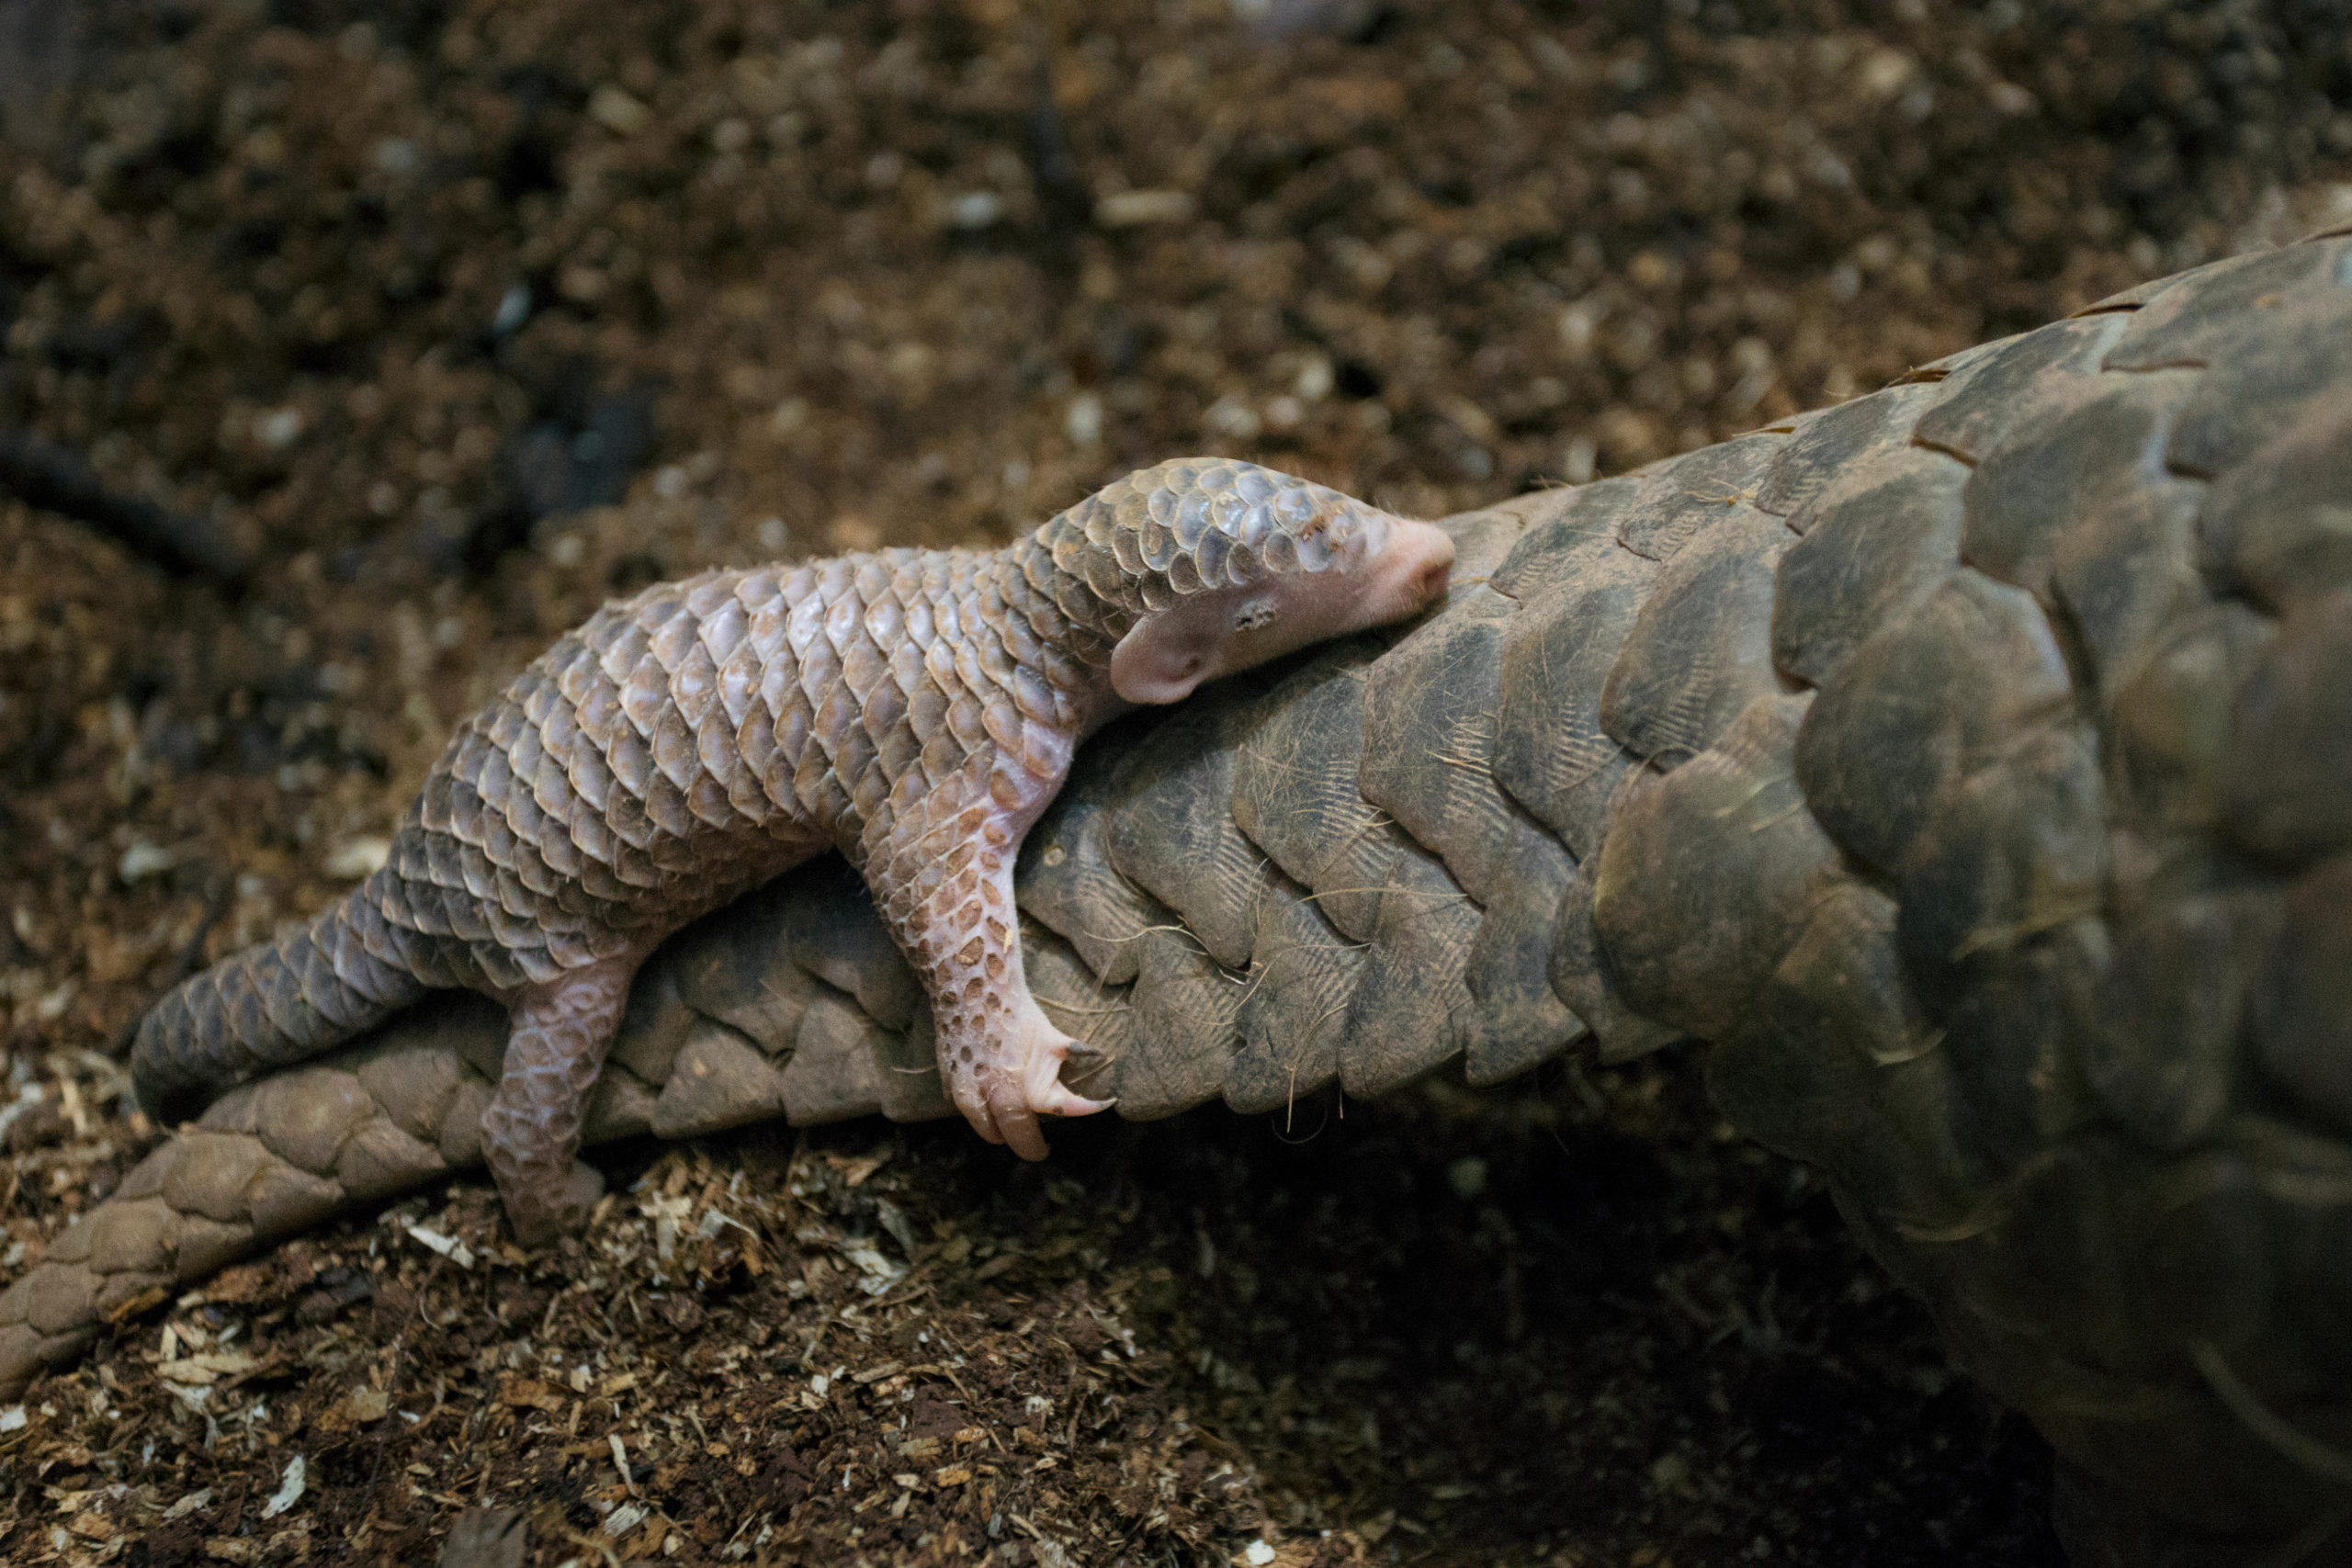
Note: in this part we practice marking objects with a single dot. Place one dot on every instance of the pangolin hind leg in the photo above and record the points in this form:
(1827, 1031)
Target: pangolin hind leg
(531, 1131)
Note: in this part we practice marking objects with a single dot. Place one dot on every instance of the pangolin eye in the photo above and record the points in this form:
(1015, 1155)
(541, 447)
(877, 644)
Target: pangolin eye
(1253, 615)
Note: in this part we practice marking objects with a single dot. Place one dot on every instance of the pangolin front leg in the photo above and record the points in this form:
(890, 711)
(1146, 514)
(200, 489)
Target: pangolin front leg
(943, 877)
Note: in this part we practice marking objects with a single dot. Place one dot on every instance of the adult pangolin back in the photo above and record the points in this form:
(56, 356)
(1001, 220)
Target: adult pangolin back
(1970, 765)
(914, 709)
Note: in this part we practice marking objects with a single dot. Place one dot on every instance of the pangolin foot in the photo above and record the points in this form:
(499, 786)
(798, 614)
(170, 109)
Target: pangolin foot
(543, 1212)
(1014, 1078)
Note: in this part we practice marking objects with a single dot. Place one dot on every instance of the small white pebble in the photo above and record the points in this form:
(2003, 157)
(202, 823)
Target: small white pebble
(1231, 416)
(358, 857)
(612, 107)
(1133, 208)
(279, 428)
(143, 860)
(1886, 72)
(975, 209)
(513, 310)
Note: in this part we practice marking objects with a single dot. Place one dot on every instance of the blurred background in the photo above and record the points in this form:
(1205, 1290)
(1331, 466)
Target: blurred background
(354, 350)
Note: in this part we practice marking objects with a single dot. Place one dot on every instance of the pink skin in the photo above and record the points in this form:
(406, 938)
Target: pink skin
(1209, 635)
(1000, 1059)
(1004, 1081)
(1002, 1062)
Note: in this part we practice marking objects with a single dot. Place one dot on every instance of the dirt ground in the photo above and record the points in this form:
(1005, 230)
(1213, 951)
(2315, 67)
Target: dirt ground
(444, 319)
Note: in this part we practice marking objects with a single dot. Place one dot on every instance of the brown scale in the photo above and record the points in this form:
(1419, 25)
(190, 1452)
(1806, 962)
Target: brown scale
(913, 709)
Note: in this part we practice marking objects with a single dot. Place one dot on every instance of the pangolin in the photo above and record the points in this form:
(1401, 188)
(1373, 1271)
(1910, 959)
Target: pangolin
(915, 710)
(1970, 765)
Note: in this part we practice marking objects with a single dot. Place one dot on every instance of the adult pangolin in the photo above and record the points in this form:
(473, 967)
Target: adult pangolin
(914, 709)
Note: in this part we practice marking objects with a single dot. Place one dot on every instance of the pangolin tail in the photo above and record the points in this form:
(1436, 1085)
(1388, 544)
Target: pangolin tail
(268, 1007)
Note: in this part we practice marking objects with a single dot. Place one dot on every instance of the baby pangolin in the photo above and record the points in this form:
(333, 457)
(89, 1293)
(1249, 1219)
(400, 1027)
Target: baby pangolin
(914, 709)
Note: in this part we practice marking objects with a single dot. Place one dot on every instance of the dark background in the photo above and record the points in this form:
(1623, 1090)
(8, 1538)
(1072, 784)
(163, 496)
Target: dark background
(353, 351)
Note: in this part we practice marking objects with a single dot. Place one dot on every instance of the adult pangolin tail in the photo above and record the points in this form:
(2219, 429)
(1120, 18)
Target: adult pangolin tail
(268, 1007)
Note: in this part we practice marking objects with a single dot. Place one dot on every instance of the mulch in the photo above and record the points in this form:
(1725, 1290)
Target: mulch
(353, 351)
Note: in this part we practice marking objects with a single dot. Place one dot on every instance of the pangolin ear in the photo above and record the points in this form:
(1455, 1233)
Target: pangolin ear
(1160, 661)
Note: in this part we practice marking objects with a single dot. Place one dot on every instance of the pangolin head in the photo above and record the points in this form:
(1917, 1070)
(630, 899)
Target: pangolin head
(1199, 567)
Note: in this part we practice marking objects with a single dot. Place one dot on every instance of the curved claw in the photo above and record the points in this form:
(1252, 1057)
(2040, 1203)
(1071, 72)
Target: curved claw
(1016, 1079)
(1061, 1101)
(1042, 1079)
